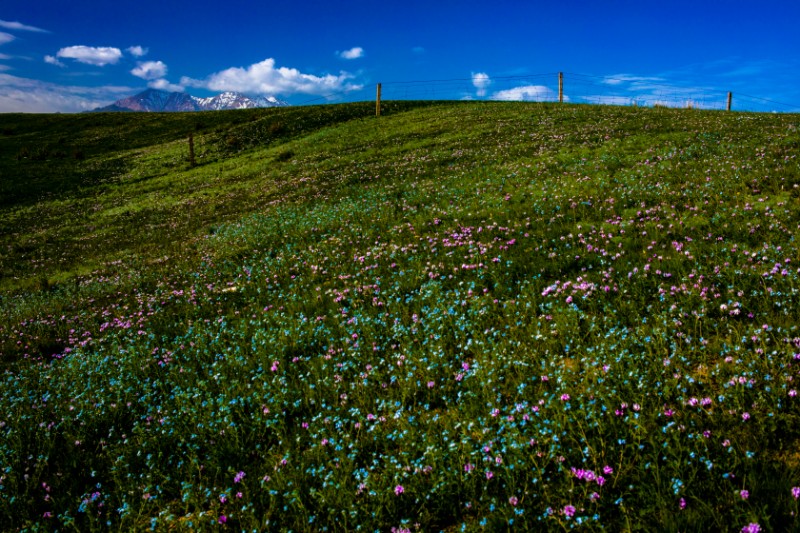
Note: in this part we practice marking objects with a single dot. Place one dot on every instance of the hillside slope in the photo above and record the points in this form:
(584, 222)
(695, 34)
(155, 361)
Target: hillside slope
(462, 315)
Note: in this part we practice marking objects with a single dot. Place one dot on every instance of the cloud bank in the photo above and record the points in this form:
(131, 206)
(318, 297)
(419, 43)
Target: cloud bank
(23, 95)
(265, 78)
(528, 93)
(5, 37)
(90, 55)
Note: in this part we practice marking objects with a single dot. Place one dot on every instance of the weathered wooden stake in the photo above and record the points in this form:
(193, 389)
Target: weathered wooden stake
(560, 87)
(730, 99)
(191, 150)
(378, 102)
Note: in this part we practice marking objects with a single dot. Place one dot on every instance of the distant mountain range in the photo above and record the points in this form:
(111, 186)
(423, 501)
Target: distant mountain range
(154, 100)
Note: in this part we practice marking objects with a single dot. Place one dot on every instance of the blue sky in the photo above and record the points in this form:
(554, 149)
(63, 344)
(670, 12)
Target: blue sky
(71, 56)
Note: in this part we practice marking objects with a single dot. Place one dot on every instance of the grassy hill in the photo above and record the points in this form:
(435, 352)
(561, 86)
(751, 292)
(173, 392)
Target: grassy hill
(456, 316)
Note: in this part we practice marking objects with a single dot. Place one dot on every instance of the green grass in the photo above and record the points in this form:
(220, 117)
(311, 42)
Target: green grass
(454, 316)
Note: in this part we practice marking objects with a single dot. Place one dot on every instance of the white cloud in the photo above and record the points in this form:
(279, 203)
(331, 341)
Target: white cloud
(5, 37)
(20, 27)
(150, 70)
(50, 60)
(91, 55)
(353, 53)
(164, 85)
(618, 79)
(264, 78)
(23, 95)
(528, 93)
(4, 56)
(137, 51)
(481, 81)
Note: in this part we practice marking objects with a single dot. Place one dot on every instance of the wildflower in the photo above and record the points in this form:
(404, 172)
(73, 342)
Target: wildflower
(513, 500)
(744, 494)
(752, 527)
(238, 477)
(569, 511)
(564, 397)
(489, 474)
(398, 490)
(222, 519)
(745, 416)
(796, 492)
(682, 503)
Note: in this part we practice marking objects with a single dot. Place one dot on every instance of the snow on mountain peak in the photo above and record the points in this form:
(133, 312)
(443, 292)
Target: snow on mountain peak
(156, 100)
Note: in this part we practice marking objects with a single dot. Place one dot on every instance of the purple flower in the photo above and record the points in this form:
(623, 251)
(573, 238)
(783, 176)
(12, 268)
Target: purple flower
(752, 527)
(682, 503)
(513, 500)
(238, 477)
(569, 510)
(222, 519)
(744, 494)
(398, 490)
(796, 492)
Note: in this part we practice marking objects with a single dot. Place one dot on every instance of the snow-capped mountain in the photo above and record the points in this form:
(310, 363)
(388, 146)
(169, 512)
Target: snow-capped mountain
(232, 100)
(153, 100)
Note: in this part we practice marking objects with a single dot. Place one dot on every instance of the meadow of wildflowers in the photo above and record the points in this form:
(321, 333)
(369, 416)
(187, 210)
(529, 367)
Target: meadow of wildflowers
(458, 317)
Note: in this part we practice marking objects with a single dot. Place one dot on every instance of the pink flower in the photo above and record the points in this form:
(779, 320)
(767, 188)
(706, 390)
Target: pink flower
(569, 510)
(682, 503)
(489, 474)
(513, 500)
(238, 477)
(222, 519)
(796, 492)
(398, 490)
(744, 494)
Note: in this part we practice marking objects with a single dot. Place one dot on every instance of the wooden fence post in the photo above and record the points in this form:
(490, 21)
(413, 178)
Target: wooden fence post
(730, 99)
(560, 87)
(192, 161)
(378, 102)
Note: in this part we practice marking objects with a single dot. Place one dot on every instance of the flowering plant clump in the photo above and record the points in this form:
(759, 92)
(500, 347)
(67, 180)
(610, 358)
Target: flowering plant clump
(464, 316)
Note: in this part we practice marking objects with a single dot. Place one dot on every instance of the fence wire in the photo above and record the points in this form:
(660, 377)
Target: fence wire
(577, 89)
